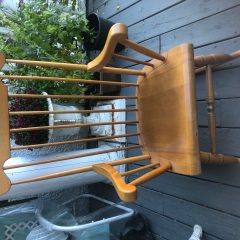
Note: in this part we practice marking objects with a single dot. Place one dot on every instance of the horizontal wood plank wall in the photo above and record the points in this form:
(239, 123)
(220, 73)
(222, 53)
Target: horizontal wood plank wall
(174, 203)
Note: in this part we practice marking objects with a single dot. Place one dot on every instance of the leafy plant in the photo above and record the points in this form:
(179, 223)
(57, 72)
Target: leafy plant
(48, 32)
(23, 121)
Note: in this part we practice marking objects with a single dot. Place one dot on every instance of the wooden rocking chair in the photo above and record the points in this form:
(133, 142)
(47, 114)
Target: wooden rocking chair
(166, 116)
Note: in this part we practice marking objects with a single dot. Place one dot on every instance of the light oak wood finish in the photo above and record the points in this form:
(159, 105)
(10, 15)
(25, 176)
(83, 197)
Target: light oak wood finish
(74, 141)
(200, 70)
(72, 111)
(126, 192)
(152, 174)
(167, 112)
(75, 66)
(235, 54)
(132, 60)
(70, 66)
(207, 63)
(16, 130)
(73, 80)
(216, 158)
(214, 59)
(211, 108)
(2, 60)
(5, 183)
(83, 169)
(70, 157)
(139, 169)
(119, 34)
(116, 33)
(69, 96)
(169, 126)
(141, 49)
(122, 71)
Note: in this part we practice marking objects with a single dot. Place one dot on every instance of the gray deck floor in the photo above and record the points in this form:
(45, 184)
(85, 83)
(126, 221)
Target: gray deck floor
(174, 203)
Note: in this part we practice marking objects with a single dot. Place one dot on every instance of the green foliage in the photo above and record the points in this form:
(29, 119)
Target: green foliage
(47, 32)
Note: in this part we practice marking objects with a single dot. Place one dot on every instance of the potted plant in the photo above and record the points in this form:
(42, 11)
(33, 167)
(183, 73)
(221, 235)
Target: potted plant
(100, 28)
(48, 31)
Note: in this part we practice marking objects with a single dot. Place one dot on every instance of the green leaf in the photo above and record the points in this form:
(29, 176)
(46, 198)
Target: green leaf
(51, 28)
(47, 32)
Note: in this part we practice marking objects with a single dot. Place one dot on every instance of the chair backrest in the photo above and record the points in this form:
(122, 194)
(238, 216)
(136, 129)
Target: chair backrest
(165, 110)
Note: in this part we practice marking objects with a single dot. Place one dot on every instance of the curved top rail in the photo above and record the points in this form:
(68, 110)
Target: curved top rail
(116, 33)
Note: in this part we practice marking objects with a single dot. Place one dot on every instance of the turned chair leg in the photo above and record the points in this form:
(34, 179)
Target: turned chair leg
(211, 108)
(206, 63)
(216, 158)
(214, 59)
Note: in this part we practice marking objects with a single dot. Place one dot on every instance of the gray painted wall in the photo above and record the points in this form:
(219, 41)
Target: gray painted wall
(174, 203)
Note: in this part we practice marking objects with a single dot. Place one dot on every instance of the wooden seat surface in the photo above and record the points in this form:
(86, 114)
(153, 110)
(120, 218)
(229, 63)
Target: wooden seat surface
(167, 111)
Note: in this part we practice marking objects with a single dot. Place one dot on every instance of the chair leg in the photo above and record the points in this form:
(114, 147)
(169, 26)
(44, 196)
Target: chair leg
(211, 108)
(213, 157)
(216, 158)
(214, 59)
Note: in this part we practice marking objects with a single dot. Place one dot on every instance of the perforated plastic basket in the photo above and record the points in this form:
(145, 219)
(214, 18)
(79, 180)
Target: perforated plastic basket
(81, 213)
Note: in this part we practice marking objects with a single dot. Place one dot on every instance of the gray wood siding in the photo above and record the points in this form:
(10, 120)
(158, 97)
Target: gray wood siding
(174, 203)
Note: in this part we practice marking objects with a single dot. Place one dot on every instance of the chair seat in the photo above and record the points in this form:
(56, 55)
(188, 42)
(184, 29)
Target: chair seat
(167, 111)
